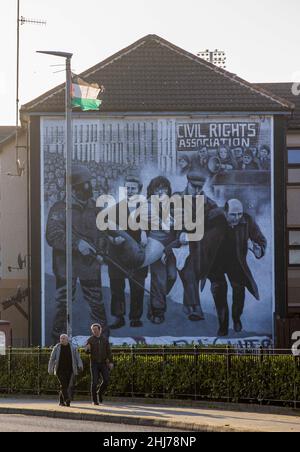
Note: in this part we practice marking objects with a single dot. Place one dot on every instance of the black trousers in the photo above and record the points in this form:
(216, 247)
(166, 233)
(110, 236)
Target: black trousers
(117, 288)
(219, 289)
(191, 283)
(99, 370)
(66, 385)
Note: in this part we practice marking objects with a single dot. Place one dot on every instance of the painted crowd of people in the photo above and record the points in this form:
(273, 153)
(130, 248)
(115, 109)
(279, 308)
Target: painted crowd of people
(104, 176)
(225, 159)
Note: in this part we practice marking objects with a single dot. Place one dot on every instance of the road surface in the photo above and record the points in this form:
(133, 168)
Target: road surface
(19, 423)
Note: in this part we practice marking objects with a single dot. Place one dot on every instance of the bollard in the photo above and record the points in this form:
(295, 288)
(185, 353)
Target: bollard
(228, 363)
(195, 368)
(132, 370)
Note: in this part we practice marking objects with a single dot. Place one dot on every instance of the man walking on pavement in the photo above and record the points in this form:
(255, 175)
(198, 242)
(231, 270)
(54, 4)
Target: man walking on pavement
(65, 363)
(99, 350)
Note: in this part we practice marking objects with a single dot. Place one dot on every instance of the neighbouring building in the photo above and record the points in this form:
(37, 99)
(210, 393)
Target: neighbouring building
(289, 320)
(14, 236)
(216, 57)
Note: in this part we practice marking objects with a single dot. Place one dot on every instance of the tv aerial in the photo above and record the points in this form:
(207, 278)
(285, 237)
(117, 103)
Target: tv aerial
(21, 20)
(22, 263)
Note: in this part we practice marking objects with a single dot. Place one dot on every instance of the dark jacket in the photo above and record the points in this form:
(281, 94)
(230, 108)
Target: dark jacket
(214, 236)
(84, 228)
(197, 249)
(100, 350)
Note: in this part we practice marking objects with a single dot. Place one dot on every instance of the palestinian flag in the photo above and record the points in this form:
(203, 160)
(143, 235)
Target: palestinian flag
(85, 95)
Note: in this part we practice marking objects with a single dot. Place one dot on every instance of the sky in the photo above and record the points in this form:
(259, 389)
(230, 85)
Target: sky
(260, 37)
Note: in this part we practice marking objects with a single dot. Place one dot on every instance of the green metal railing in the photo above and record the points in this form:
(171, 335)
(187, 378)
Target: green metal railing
(195, 373)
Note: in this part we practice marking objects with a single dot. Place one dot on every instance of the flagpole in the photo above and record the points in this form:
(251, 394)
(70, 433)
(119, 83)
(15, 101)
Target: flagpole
(69, 152)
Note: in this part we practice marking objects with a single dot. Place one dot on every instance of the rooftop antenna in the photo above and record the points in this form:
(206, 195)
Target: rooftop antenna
(21, 20)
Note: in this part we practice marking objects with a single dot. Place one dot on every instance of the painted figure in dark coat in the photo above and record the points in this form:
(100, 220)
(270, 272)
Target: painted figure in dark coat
(86, 240)
(238, 155)
(193, 270)
(201, 159)
(264, 158)
(118, 278)
(229, 231)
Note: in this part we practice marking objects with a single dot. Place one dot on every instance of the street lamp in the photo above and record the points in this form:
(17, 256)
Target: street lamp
(69, 152)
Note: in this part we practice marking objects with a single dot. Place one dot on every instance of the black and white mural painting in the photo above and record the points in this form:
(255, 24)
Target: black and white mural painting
(156, 286)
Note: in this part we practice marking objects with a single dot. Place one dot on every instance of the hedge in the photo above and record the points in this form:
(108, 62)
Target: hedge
(182, 374)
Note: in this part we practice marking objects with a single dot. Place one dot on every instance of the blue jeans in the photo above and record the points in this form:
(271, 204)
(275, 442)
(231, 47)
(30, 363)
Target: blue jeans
(99, 370)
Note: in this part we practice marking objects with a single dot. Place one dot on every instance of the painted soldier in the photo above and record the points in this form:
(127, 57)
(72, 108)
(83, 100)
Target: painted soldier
(87, 239)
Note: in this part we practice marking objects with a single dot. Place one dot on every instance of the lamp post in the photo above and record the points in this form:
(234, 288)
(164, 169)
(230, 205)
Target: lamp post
(69, 152)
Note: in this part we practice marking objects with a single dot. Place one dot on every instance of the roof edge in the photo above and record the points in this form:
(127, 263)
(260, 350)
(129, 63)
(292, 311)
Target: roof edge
(229, 75)
(85, 73)
(286, 105)
(10, 137)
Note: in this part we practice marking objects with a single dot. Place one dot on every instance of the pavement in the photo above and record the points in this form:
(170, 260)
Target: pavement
(187, 417)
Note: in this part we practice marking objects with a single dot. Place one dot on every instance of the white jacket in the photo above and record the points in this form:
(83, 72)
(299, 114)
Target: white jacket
(54, 360)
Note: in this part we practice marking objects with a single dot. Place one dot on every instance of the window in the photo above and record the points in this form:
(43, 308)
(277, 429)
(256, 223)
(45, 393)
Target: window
(293, 189)
(293, 197)
(294, 237)
(294, 287)
(294, 257)
(294, 175)
(294, 156)
(294, 166)
(294, 247)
